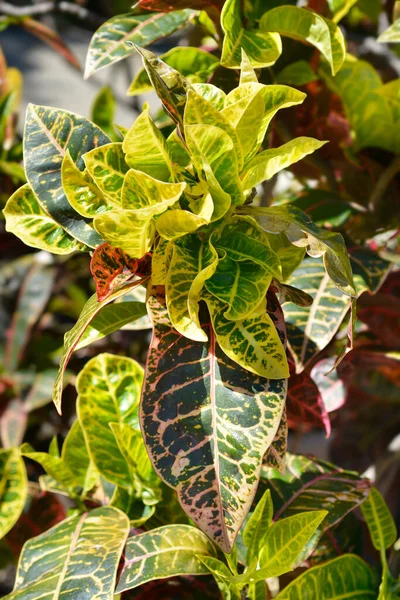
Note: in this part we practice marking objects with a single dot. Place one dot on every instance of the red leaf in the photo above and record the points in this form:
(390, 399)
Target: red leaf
(169, 5)
(111, 267)
(304, 403)
(381, 313)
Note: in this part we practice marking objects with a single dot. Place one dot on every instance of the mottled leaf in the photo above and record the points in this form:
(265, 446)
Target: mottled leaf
(82, 193)
(147, 195)
(128, 230)
(107, 167)
(110, 267)
(275, 457)
(13, 488)
(176, 223)
(380, 522)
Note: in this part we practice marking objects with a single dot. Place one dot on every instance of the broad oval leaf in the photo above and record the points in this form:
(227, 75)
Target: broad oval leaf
(107, 167)
(60, 562)
(108, 392)
(148, 195)
(115, 39)
(49, 133)
(163, 552)
(199, 439)
(13, 488)
(347, 576)
(82, 193)
(307, 26)
(379, 520)
(26, 219)
(128, 230)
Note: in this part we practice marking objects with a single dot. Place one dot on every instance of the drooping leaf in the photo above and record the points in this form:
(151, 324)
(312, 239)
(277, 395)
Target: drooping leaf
(110, 267)
(266, 164)
(48, 134)
(108, 392)
(26, 219)
(307, 26)
(257, 527)
(13, 488)
(380, 522)
(103, 112)
(82, 193)
(72, 337)
(107, 167)
(114, 40)
(163, 552)
(193, 63)
(391, 35)
(60, 561)
(347, 576)
(262, 48)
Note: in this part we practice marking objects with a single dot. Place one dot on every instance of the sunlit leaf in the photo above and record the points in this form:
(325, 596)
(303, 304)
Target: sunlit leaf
(128, 230)
(175, 223)
(82, 193)
(13, 488)
(107, 167)
(380, 522)
(391, 35)
(75, 456)
(142, 191)
(110, 267)
(257, 527)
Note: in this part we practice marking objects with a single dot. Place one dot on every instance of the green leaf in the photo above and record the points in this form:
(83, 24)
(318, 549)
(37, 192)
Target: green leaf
(82, 193)
(191, 263)
(241, 285)
(128, 230)
(107, 166)
(344, 577)
(214, 95)
(200, 440)
(60, 561)
(72, 337)
(307, 26)
(380, 522)
(283, 545)
(75, 456)
(148, 195)
(26, 219)
(222, 576)
(257, 527)
(114, 40)
(13, 488)
(247, 73)
(49, 133)
(262, 48)
(391, 35)
(266, 164)
(103, 112)
(163, 552)
(58, 470)
(193, 63)
(297, 73)
(146, 149)
(340, 8)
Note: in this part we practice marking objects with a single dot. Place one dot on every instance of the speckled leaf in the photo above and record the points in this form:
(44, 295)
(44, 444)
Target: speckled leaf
(141, 191)
(49, 132)
(72, 337)
(107, 167)
(13, 488)
(343, 578)
(206, 447)
(262, 48)
(82, 193)
(163, 552)
(108, 392)
(381, 525)
(275, 457)
(60, 562)
(110, 267)
(307, 26)
(27, 219)
(114, 40)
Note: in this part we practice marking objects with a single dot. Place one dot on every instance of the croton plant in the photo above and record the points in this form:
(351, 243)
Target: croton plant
(182, 469)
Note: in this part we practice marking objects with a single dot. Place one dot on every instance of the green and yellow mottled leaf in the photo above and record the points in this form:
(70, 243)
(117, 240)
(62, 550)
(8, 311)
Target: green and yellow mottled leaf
(247, 73)
(266, 164)
(72, 337)
(275, 457)
(82, 193)
(26, 219)
(241, 285)
(13, 488)
(128, 230)
(222, 576)
(380, 522)
(176, 223)
(75, 457)
(262, 48)
(60, 562)
(108, 392)
(345, 577)
(200, 440)
(177, 150)
(307, 26)
(289, 256)
(49, 133)
(214, 95)
(107, 166)
(191, 263)
(58, 470)
(146, 149)
(141, 191)
(114, 40)
(163, 552)
(159, 263)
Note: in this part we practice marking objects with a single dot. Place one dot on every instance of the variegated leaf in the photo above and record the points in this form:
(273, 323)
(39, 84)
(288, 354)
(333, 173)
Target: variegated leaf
(60, 562)
(111, 267)
(130, 230)
(13, 488)
(107, 167)
(28, 220)
(163, 552)
(176, 222)
(82, 193)
(275, 457)
(152, 196)
(198, 437)
(49, 133)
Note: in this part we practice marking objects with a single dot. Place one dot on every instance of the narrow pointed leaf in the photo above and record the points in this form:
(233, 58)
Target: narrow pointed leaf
(13, 488)
(163, 552)
(222, 576)
(82, 193)
(206, 447)
(75, 456)
(49, 132)
(114, 40)
(26, 219)
(380, 522)
(340, 8)
(247, 73)
(108, 392)
(107, 167)
(60, 563)
(66, 478)
(257, 527)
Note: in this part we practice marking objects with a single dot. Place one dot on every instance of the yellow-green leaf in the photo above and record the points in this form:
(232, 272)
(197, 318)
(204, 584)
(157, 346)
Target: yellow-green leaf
(107, 167)
(247, 73)
(175, 223)
(141, 191)
(256, 529)
(26, 219)
(391, 35)
(128, 230)
(82, 193)
(380, 522)
(13, 488)
(340, 8)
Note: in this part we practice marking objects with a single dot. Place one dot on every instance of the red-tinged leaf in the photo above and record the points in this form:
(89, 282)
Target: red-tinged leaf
(111, 268)
(212, 7)
(52, 39)
(305, 405)
(199, 438)
(330, 385)
(42, 512)
(381, 313)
